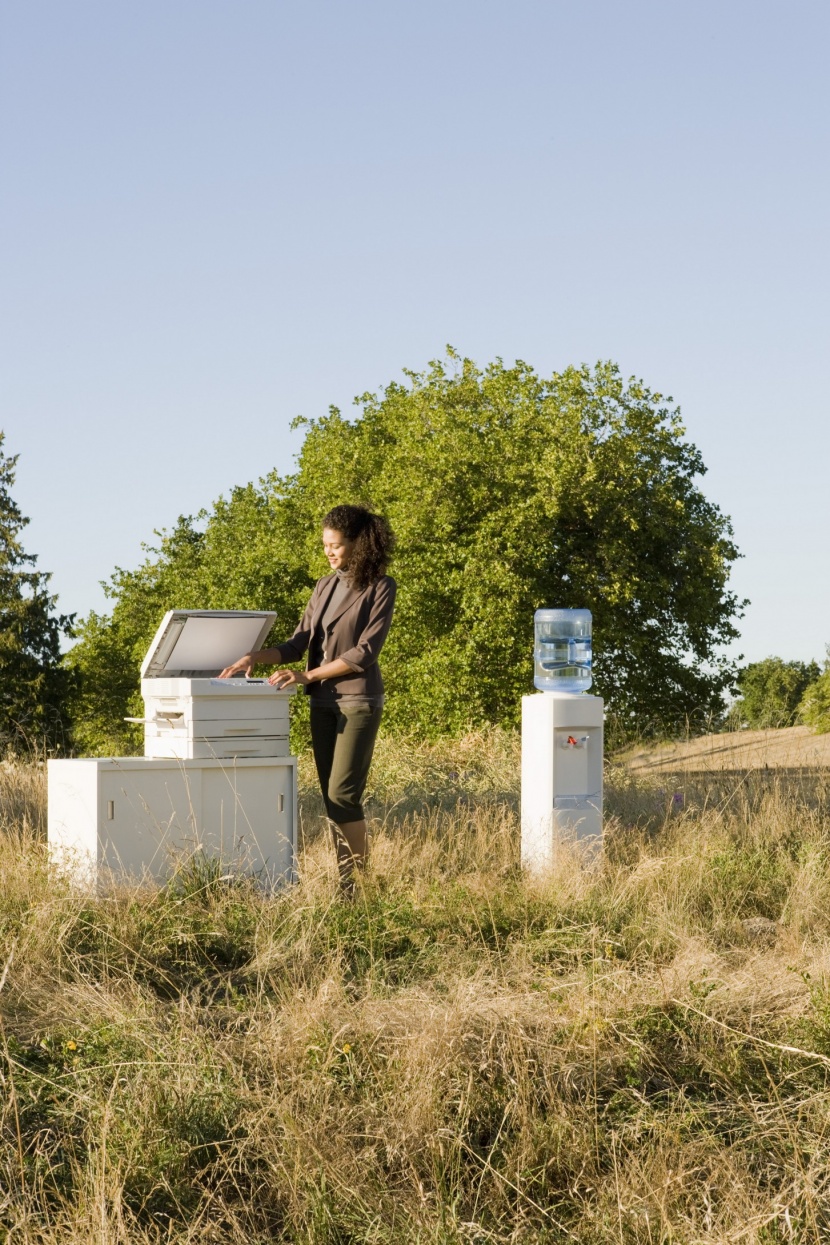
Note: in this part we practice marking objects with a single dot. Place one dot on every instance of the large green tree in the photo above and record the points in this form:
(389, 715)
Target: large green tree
(33, 683)
(507, 491)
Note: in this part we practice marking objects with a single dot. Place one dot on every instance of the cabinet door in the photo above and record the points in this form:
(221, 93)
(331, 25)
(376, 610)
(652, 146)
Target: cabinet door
(248, 818)
(148, 819)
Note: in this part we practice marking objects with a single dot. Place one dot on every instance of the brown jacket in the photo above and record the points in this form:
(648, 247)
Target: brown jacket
(355, 634)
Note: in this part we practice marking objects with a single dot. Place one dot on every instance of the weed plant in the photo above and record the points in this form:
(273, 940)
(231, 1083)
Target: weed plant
(634, 1049)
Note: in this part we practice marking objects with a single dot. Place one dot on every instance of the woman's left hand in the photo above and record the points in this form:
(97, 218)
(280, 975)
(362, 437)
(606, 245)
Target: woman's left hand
(281, 679)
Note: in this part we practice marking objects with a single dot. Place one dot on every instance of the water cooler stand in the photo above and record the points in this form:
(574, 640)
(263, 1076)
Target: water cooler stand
(562, 750)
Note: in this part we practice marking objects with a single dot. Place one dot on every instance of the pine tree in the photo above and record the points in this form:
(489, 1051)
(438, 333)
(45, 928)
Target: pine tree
(33, 683)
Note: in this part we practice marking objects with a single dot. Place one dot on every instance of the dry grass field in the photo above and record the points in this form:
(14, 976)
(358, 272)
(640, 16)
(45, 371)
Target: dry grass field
(636, 1050)
(794, 748)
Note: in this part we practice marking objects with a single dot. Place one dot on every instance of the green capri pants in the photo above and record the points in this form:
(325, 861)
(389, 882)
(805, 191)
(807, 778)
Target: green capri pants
(343, 740)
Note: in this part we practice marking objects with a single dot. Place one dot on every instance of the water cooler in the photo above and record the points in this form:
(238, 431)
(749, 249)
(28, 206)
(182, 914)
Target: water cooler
(562, 741)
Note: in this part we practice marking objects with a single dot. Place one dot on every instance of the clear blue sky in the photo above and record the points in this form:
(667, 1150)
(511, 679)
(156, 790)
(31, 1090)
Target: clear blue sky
(216, 216)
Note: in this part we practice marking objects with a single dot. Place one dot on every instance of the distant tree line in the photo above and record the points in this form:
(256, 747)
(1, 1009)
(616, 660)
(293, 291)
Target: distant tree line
(775, 693)
(507, 491)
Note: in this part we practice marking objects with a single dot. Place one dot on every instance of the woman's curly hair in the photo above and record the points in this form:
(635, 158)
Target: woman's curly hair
(373, 542)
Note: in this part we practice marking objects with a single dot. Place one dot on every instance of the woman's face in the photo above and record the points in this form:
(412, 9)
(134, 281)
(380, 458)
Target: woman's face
(338, 549)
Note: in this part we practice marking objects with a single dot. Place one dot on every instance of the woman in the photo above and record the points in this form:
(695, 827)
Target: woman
(343, 628)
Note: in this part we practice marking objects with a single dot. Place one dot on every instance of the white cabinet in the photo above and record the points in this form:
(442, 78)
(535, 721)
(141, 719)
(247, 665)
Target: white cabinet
(562, 756)
(138, 817)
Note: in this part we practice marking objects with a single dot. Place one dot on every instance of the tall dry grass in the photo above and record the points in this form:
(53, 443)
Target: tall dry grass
(636, 1049)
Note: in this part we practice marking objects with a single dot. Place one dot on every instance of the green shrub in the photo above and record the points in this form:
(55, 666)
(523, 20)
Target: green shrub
(772, 692)
(815, 707)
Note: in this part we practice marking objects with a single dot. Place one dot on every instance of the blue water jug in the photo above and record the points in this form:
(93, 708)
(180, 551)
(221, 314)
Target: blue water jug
(562, 650)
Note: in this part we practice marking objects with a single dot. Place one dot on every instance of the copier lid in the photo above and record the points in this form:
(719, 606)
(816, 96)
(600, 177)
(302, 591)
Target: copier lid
(197, 644)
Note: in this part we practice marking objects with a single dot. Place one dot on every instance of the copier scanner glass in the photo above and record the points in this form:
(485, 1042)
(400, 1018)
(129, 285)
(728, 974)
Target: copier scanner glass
(200, 643)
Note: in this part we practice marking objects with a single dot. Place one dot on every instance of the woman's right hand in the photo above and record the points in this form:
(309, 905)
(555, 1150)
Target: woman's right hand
(241, 668)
